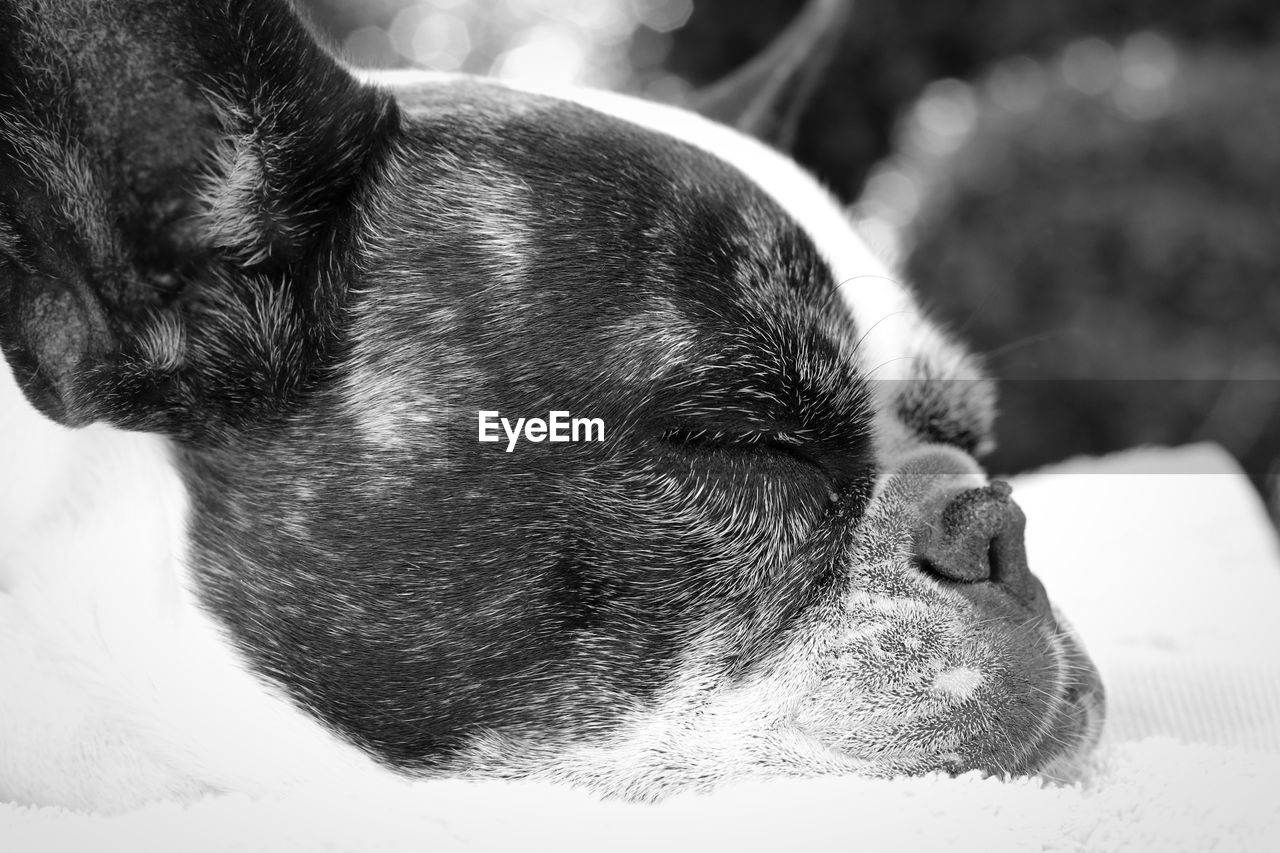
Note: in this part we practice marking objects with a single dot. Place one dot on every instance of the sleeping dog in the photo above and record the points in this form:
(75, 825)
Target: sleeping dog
(258, 314)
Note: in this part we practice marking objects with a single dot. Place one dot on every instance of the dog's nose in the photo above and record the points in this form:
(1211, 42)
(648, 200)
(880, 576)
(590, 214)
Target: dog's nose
(974, 535)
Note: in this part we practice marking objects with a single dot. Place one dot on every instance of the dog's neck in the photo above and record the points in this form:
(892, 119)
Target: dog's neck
(92, 547)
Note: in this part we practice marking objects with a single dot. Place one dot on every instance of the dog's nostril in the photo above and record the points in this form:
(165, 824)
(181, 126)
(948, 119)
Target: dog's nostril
(974, 535)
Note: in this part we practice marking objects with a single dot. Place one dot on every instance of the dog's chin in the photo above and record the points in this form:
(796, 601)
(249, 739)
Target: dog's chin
(920, 684)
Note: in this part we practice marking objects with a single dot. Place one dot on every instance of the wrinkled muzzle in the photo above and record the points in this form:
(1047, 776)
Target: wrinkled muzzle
(947, 653)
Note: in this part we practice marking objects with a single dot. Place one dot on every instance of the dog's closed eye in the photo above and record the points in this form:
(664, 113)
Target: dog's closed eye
(742, 442)
(795, 452)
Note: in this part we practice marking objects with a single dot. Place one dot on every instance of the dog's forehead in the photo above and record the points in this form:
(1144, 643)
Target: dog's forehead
(514, 235)
(889, 326)
(883, 310)
(640, 228)
(532, 180)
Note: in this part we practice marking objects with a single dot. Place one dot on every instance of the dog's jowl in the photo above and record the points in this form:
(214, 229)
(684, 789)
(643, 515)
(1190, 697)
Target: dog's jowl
(250, 307)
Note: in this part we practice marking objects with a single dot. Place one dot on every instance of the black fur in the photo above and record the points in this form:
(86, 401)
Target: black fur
(448, 588)
(314, 291)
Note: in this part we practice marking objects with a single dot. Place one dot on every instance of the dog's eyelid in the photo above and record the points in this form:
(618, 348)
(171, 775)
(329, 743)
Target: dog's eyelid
(795, 446)
(709, 436)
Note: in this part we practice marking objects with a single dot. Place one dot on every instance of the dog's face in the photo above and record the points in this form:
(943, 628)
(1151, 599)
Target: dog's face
(779, 557)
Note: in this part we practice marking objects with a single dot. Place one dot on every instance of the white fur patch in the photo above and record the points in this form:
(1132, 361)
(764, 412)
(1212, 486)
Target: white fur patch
(959, 682)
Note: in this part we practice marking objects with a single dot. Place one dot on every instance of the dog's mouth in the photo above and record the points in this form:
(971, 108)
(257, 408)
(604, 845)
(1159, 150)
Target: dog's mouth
(1073, 722)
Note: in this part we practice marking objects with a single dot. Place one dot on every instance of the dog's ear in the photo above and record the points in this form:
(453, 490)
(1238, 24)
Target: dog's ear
(767, 96)
(172, 178)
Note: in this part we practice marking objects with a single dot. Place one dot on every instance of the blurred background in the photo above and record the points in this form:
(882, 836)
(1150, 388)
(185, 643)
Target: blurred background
(1087, 191)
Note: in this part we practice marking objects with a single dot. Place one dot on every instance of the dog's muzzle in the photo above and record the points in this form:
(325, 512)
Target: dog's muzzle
(972, 538)
(948, 654)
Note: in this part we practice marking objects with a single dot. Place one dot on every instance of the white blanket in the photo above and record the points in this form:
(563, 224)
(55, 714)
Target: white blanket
(1168, 567)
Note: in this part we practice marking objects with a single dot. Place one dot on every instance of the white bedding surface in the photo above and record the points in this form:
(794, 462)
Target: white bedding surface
(1172, 575)
(1164, 560)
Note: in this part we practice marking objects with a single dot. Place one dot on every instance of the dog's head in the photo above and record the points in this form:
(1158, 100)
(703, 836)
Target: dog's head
(769, 549)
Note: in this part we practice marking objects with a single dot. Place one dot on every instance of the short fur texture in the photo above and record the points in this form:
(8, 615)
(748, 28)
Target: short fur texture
(303, 288)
